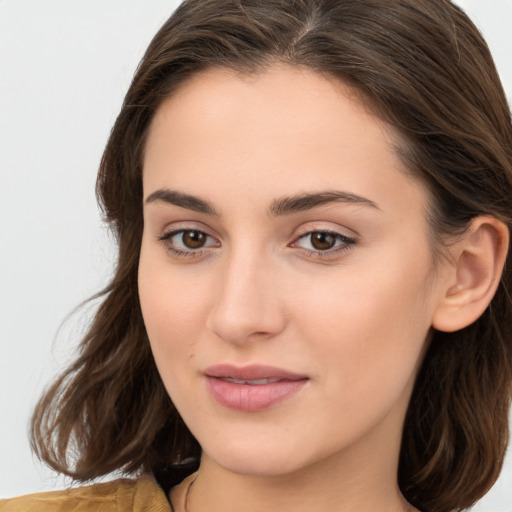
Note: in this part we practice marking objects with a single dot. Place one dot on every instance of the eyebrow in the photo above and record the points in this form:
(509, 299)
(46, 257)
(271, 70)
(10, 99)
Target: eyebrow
(279, 207)
(183, 200)
(308, 201)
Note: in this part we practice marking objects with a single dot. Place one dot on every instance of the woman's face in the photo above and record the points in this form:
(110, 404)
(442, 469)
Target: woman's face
(286, 278)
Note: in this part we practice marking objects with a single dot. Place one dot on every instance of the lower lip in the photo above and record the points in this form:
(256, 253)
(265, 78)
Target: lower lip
(252, 398)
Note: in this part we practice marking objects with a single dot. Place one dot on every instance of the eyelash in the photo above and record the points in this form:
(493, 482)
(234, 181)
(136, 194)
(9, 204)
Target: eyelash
(166, 239)
(346, 244)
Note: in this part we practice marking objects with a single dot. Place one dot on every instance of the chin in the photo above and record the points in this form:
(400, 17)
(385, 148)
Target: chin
(258, 466)
(269, 459)
(250, 459)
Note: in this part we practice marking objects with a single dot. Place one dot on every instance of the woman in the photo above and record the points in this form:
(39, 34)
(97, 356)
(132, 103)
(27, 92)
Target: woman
(311, 309)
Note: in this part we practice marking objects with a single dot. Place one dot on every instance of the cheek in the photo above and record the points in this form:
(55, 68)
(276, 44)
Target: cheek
(372, 327)
(174, 306)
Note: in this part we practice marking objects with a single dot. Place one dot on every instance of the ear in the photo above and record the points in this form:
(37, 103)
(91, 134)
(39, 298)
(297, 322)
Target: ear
(478, 260)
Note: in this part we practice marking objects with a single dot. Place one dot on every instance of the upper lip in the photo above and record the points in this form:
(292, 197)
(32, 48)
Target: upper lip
(252, 372)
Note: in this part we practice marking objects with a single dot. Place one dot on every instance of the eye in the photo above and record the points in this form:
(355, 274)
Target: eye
(188, 242)
(320, 242)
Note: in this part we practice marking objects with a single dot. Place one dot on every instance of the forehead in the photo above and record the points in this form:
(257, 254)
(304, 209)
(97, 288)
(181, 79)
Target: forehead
(287, 128)
(295, 96)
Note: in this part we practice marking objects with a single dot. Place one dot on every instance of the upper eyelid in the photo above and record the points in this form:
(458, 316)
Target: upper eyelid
(176, 227)
(347, 240)
(325, 230)
(299, 232)
(173, 232)
(316, 227)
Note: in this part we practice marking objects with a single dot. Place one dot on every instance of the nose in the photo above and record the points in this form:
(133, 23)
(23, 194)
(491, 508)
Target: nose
(247, 304)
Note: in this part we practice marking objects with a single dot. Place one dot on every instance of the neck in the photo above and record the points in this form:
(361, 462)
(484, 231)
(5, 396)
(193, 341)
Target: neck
(232, 493)
(362, 482)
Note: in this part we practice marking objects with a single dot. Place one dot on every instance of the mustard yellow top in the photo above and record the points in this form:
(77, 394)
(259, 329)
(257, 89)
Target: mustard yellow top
(123, 495)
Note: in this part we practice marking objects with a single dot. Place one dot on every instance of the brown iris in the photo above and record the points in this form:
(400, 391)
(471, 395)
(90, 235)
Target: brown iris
(322, 241)
(193, 239)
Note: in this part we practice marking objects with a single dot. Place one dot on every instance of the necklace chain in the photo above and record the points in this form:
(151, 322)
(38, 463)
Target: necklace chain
(187, 494)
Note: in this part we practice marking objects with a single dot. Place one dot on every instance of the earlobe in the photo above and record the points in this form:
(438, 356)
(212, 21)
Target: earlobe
(479, 258)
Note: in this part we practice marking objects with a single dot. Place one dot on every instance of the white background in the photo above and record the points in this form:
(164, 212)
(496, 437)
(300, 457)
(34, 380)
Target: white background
(64, 69)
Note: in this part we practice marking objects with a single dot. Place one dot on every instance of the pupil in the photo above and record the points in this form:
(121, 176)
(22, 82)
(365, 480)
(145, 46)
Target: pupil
(323, 241)
(193, 239)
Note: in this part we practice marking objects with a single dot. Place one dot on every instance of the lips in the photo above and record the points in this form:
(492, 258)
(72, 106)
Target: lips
(252, 388)
(254, 382)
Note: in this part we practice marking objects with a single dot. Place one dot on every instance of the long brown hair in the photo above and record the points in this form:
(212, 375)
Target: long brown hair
(422, 66)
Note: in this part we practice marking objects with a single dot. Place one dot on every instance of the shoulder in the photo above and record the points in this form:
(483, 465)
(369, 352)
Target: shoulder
(123, 495)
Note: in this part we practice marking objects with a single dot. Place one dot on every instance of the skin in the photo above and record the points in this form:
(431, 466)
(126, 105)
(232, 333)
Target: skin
(354, 319)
